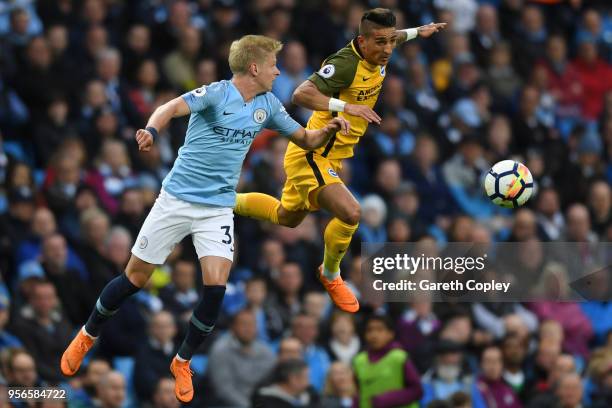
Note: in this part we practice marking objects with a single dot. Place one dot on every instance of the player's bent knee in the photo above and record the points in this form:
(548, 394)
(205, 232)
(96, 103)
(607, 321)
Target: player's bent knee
(351, 215)
(139, 271)
(290, 219)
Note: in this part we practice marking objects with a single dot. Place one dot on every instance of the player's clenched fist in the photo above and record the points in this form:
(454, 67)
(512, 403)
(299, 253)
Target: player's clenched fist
(340, 125)
(362, 111)
(144, 139)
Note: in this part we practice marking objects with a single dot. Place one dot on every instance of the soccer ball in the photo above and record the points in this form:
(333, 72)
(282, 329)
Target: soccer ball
(509, 184)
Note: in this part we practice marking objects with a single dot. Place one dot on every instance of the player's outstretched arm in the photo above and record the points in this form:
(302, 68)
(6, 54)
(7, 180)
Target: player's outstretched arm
(308, 96)
(310, 139)
(422, 31)
(159, 119)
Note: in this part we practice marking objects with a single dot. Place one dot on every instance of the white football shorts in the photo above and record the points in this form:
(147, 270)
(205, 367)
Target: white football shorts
(172, 219)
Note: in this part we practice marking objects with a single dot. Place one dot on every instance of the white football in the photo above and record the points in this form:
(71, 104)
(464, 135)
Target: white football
(509, 184)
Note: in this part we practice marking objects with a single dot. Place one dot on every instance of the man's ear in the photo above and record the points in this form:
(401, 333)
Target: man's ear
(361, 39)
(253, 69)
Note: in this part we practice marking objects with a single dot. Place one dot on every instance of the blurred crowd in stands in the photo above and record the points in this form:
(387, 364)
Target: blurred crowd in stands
(515, 79)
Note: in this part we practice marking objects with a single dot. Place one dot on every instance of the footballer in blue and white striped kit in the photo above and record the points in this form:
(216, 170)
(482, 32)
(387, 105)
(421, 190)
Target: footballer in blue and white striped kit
(198, 195)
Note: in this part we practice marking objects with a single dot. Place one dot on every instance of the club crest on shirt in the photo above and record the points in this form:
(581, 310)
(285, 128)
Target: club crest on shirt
(382, 71)
(327, 71)
(260, 115)
(143, 242)
(332, 172)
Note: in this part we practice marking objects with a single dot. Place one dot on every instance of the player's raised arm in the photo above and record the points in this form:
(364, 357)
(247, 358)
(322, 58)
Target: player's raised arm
(159, 119)
(310, 139)
(309, 96)
(422, 31)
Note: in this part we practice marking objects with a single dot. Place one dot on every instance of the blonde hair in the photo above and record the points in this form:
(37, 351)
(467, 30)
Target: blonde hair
(249, 49)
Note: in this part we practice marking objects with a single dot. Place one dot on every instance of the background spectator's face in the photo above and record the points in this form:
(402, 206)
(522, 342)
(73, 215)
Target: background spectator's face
(179, 15)
(461, 230)
(290, 349)
(4, 316)
(458, 329)
(389, 175)
(55, 251)
(448, 366)
(38, 53)
(343, 329)
(115, 155)
(163, 328)
(164, 394)
(315, 303)
(111, 390)
(305, 329)
(68, 171)
(500, 56)
(290, 278)
(108, 66)
(244, 328)
(592, 21)
(148, 74)
(96, 40)
(94, 11)
(44, 299)
(548, 202)
(139, 39)
(206, 72)
(21, 176)
(547, 354)
(557, 50)
(341, 378)
(530, 100)
(564, 364)
(377, 335)
(255, 292)
(95, 371)
(132, 203)
(299, 382)
(95, 95)
(524, 225)
(578, 223)
(183, 275)
(515, 351)
(23, 370)
(486, 19)
(273, 254)
(20, 22)
(398, 230)
(57, 36)
(570, 391)
(190, 42)
(599, 198)
(532, 19)
(43, 223)
(96, 230)
(294, 58)
(588, 52)
(425, 152)
(393, 94)
(58, 112)
(118, 248)
(492, 366)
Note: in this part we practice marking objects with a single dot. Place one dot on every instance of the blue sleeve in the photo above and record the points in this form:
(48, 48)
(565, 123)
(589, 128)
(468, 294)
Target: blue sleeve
(280, 120)
(203, 97)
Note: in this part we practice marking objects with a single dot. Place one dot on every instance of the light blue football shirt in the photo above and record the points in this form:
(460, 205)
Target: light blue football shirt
(221, 129)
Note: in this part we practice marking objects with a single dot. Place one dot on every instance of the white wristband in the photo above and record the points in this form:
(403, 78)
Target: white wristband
(336, 105)
(411, 33)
